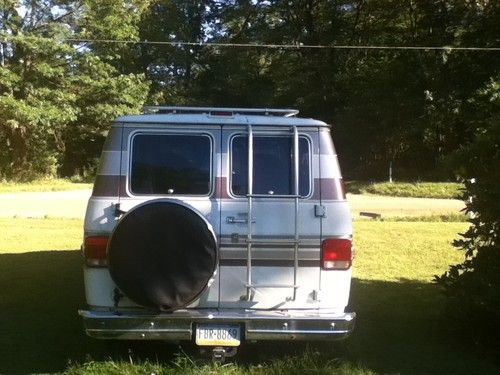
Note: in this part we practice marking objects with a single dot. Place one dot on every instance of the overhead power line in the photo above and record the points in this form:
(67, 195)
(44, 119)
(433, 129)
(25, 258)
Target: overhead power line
(274, 46)
(283, 46)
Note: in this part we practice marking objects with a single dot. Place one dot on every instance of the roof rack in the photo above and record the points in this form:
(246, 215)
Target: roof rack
(220, 111)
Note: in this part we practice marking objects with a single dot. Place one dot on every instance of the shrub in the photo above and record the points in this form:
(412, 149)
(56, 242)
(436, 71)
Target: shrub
(473, 287)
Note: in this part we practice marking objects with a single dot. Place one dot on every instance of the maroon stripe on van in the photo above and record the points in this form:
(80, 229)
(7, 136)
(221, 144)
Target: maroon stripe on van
(109, 186)
(123, 187)
(329, 189)
(268, 262)
(220, 188)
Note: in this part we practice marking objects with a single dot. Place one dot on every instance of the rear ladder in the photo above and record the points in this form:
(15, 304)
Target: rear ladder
(250, 240)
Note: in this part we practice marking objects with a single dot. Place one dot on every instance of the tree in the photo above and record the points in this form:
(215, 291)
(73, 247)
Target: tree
(473, 287)
(35, 103)
(173, 69)
(104, 80)
(101, 95)
(56, 98)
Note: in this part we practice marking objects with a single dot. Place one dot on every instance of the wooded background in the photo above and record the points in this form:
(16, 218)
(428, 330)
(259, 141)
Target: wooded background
(417, 108)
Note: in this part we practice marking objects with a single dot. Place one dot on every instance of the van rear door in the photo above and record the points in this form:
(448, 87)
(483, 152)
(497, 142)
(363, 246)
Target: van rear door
(269, 272)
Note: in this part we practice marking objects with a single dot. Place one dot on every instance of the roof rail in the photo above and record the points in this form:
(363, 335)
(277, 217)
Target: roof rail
(220, 111)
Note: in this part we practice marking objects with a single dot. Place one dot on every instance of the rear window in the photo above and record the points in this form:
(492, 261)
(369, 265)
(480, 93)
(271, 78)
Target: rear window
(273, 170)
(171, 164)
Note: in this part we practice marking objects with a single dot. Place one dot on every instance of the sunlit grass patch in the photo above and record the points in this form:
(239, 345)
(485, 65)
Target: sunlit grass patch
(57, 184)
(18, 235)
(392, 251)
(446, 190)
(435, 218)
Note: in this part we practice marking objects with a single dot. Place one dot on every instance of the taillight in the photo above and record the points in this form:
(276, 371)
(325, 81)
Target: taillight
(94, 249)
(336, 254)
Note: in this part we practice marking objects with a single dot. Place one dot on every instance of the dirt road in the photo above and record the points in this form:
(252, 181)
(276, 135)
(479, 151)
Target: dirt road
(55, 204)
(73, 203)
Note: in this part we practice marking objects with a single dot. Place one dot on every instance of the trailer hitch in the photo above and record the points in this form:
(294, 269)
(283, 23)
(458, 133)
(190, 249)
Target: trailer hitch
(219, 353)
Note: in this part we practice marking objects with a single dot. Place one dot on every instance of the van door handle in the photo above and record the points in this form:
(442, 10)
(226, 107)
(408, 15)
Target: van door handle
(233, 220)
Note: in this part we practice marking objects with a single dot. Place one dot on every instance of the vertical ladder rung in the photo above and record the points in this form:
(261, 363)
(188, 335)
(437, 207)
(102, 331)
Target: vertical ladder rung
(250, 210)
(296, 192)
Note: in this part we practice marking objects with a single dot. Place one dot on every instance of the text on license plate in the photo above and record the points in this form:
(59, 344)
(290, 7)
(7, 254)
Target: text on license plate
(217, 335)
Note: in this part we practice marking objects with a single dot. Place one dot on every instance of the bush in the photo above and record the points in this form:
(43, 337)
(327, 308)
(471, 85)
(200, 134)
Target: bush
(473, 287)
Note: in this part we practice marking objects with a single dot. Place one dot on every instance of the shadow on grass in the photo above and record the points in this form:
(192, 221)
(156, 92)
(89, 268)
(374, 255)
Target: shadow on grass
(401, 329)
(398, 329)
(40, 330)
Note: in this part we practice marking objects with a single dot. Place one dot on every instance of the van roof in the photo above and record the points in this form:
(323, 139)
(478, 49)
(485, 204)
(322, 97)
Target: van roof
(220, 116)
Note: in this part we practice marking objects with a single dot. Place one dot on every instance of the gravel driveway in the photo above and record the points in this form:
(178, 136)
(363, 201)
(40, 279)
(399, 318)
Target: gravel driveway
(73, 203)
(70, 204)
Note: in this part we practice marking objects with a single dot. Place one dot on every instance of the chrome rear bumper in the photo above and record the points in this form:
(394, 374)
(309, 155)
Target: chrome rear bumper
(255, 325)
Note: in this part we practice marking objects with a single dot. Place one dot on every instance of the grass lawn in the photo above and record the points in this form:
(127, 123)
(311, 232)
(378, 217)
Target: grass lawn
(19, 235)
(58, 184)
(399, 328)
(402, 206)
(446, 190)
(404, 251)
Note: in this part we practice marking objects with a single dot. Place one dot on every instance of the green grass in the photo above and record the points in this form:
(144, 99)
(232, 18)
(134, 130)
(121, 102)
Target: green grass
(19, 235)
(447, 218)
(399, 328)
(444, 218)
(59, 184)
(394, 251)
(445, 190)
(311, 362)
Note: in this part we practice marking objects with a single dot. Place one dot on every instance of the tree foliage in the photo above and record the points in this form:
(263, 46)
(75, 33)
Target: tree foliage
(474, 285)
(35, 103)
(406, 107)
(57, 99)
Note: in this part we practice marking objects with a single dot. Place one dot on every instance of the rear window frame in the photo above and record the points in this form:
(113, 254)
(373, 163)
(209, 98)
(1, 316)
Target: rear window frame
(167, 132)
(258, 134)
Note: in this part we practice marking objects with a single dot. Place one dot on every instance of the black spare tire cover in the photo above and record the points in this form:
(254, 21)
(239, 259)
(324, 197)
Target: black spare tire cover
(162, 255)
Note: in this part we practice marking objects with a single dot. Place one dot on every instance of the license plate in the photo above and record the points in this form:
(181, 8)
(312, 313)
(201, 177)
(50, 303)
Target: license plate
(217, 335)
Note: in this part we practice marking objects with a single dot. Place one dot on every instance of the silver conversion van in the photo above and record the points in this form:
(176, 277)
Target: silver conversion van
(218, 226)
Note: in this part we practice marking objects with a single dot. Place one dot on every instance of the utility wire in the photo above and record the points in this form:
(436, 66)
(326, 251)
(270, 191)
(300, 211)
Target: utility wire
(275, 46)
(283, 46)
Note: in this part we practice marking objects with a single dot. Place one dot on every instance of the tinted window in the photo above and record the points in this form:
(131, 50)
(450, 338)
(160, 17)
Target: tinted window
(170, 164)
(273, 166)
